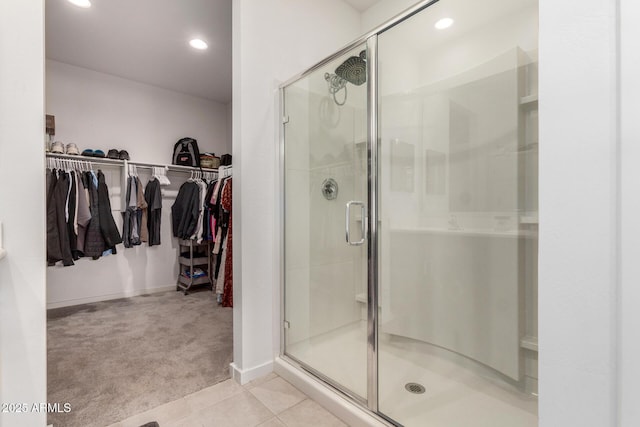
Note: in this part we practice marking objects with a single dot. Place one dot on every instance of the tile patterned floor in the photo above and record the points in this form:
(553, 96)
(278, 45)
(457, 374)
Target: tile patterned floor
(269, 401)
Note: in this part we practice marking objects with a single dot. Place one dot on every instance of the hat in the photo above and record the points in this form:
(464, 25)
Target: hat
(124, 155)
(112, 154)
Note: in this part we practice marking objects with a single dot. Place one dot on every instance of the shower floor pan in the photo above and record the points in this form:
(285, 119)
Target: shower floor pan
(454, 395)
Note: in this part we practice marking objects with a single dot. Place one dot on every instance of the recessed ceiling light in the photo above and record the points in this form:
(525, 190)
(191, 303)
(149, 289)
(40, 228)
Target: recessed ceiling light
(444, 23)
(198, 44)
(81, 3)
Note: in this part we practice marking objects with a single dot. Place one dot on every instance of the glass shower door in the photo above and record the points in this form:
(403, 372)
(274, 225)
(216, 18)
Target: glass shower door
(325, 192)
(457, 237)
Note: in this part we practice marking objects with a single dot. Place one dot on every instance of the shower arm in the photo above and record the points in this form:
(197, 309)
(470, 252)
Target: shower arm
(336, 83)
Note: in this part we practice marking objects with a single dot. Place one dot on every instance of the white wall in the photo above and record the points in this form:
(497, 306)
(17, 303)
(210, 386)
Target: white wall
(97, 110)
(578, 213)
(382, 11)
(23, 363)
(273, 40)
(629, 297)
(228, 148)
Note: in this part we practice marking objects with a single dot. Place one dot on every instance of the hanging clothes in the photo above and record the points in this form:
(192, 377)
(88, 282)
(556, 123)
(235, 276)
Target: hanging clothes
(227, 298)
(219, 279)
(61, 193)
(97, 230)
(70, 215)
(142, 212)
(54, 238)
(84, 214)
(107, 223)
(153, 197)
(94, 244)
(221, 221)
(54, 252)
(207, 220)
(213, 208)
(197, 235)
(130, 222)
(185, 210)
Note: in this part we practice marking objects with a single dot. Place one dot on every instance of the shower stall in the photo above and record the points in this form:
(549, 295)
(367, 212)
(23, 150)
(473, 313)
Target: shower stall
(409, 172)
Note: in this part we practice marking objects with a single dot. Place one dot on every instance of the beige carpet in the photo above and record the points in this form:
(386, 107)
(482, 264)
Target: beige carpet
(114, 359)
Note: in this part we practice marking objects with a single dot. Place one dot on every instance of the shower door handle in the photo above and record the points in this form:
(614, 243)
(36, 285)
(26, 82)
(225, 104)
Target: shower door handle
(363, 219)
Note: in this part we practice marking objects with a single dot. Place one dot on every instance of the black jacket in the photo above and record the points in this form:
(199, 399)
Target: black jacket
(94, 244)
(186, 210)
(58, 245)
(153, 197)
(108, 226)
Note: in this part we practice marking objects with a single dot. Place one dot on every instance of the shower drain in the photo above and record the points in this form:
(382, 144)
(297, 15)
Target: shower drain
(415, 388)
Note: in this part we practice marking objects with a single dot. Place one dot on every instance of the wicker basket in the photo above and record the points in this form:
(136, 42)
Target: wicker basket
(209, 162)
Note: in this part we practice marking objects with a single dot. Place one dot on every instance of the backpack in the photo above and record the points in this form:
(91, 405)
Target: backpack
(186, 153)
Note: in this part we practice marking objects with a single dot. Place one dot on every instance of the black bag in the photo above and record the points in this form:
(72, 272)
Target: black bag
(225, 160)
(186, 153)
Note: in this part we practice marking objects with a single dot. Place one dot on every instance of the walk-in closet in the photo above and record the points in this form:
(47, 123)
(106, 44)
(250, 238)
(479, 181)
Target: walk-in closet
(139, 201)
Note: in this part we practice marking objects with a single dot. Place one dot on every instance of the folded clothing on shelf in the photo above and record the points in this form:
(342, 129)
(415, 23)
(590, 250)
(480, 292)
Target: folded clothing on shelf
(197, 272)
(195, 254)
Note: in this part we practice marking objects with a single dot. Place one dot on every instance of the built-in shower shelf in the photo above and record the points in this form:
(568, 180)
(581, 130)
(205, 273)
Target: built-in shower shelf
(529, 99)
(362, 298)
(470, 232)
(330, 165)
(530, 343)
(531, 219)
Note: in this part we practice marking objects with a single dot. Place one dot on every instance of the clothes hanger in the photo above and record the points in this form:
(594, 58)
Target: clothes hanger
(162, 176)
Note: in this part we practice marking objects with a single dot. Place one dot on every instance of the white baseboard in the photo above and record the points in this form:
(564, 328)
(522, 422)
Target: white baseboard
(244, 376)
(327, 397)
(99, 298)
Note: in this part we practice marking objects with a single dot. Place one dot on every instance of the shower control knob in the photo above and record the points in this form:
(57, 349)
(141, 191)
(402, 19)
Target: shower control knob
(330, 189)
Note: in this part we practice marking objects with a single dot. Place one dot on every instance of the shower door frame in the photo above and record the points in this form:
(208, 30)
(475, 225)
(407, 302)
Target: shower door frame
(371, 40)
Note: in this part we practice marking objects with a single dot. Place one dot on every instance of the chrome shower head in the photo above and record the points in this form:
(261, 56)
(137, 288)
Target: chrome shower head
(354, 69)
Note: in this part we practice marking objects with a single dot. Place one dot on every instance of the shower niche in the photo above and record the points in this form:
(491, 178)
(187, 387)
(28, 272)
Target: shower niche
(432, 153)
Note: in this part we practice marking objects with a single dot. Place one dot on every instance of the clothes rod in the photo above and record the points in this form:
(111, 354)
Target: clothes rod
(117, 162)
(96, 160)
(171, 167)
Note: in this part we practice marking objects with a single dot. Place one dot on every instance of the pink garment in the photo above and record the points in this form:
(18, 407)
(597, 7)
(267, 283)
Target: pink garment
(215, 192)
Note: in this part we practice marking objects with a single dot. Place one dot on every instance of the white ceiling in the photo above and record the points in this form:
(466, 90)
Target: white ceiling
(361, 5)
(147, 41)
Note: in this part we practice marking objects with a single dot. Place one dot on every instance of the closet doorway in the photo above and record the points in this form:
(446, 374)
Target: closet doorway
(124, 82)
